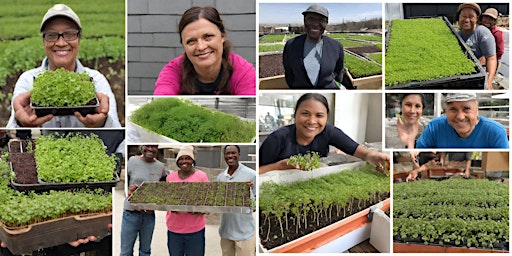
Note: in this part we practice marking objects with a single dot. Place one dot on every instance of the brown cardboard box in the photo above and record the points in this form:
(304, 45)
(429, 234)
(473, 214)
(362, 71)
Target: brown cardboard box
(495, 161)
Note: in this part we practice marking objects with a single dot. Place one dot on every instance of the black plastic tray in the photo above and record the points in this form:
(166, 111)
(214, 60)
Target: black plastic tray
(476, 80)
(46, 186)
(55, 232)
(89, 108)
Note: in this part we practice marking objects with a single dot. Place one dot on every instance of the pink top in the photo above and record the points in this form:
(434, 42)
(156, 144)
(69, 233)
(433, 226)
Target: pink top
(242, 82)
(184, 222)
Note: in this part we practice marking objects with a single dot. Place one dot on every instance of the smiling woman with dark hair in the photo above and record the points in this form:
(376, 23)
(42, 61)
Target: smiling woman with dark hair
(208, 66)
(311, 133)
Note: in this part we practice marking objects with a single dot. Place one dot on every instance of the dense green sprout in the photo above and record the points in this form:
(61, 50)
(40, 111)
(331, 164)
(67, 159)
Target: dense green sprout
(361, 68)
(311, 202)
(19, 209)
(184, 121)
(457, 212)
(61, 88)
(423, 50)
(73, 158)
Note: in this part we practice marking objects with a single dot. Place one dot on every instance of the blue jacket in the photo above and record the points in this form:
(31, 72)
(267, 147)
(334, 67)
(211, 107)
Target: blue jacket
(330, 69)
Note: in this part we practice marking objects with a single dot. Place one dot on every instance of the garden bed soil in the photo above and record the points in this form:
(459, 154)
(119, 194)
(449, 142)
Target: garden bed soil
(114, 72)
(234, 197)
(419, 247)
(365, 49)
(50, 233)
(272, 64)
(270, 230)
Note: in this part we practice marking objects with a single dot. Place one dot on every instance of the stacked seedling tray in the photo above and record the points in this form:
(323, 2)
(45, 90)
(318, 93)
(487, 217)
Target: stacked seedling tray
(454, 215)
(449, 64)
(31, 174)
(218, 197)
(323, 210)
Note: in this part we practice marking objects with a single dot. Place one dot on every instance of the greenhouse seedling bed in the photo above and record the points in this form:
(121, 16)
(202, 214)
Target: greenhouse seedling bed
(46, 234)
(464, 213)
(219, 197)
(89, 108)
(23, 164)
(471, 80)
(290, 211)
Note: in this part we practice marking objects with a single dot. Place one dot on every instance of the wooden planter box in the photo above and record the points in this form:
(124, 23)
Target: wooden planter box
(273, 83)
(476, 80)
(54, 232)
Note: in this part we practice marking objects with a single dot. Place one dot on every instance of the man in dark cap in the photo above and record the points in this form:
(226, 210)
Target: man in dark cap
(478, 38)
(312, 60)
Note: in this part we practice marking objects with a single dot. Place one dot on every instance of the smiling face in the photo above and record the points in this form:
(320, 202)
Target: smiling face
(61, 53)
(203, 43)
(467, 20)
(412, 108)
(185, 163)
(315, 26)
(149, 152)
(310, 120)
(488, 22)
(462, 116)
(231, 156)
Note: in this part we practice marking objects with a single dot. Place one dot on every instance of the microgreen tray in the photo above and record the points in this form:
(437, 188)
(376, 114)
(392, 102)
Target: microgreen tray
(475, 80)
(50, 233)
(42, 186)
(214, 197)
(89, 108)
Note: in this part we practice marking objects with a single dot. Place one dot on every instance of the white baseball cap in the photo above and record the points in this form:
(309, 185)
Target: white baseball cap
(60, 10)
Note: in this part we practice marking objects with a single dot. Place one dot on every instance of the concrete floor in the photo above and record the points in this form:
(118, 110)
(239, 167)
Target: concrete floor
(159, 243)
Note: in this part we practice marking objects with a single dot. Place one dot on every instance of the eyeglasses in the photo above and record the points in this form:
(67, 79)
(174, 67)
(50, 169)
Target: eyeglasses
(314, 19)
(67, 35)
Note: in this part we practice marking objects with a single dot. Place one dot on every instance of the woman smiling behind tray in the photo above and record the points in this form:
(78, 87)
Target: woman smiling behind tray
(311, 133)
(208, 66)
(186, 230)
(412, 109)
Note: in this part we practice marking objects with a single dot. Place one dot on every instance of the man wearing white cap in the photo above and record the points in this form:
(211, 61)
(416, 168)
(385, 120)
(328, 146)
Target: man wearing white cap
(478, 38)
(462, 127)
(61, 31)
(312, 60)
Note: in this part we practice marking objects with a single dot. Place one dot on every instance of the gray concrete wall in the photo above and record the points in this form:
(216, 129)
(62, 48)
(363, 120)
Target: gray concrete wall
(153, 39)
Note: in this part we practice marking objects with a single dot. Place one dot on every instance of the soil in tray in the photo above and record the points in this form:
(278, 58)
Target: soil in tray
(24, 166)
(193, 194)
(15, 146)
(270, 230)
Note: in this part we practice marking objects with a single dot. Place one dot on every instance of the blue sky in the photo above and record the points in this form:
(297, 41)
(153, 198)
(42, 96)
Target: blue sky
(290, 13)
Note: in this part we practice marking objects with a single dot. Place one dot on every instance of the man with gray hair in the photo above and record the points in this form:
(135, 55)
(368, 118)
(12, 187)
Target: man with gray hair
(462, 127)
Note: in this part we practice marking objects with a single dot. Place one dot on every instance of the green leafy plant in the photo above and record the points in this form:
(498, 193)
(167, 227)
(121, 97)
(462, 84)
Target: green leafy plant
(291, 210)
(361, 68)
(306, 162)
(184, 121)
(409, 57)
(73, 158)
(62, 88)
(456, 212)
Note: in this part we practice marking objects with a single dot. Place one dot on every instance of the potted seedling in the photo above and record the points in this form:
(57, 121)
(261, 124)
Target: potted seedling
(61, 92)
